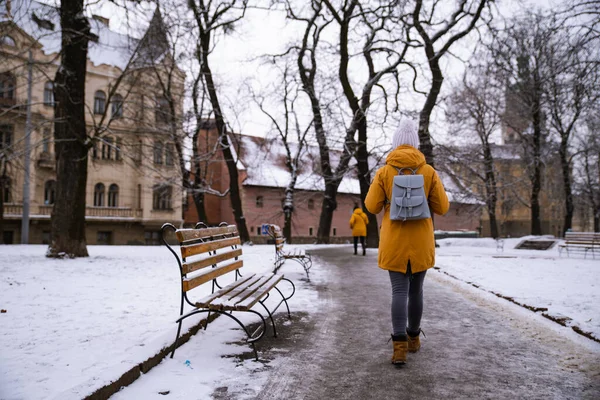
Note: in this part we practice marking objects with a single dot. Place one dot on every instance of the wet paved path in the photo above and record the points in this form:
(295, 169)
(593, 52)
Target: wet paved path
(475, 348)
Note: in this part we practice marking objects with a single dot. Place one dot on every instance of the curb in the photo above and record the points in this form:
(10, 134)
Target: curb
(134, 373)
(561, 320)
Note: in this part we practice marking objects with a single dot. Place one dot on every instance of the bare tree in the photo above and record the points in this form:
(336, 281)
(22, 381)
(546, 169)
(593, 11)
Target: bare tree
(572, 90)
(378, 24)
(475, 109)
(210, 19)
(520, 53)
(293, 136)
(438, 35)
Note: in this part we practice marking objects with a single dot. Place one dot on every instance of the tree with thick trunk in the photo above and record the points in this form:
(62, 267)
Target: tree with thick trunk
(377, 21)
(70, 135)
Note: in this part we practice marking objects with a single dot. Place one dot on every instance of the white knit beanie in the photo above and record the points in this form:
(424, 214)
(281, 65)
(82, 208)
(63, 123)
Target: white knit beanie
(407, 133)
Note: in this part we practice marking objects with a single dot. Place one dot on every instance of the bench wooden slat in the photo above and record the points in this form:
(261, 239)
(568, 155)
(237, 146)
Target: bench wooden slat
(203, 277)
(250, 301)
(227, 300)
(241, 293)
(212, 260)
(199, 248)
(205, 301)
(186, 235)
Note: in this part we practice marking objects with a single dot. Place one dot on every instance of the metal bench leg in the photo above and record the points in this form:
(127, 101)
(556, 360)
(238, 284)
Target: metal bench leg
(270, 317)
(176, 338)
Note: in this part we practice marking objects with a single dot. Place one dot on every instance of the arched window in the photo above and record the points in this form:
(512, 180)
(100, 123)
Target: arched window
(162, 112)
(259, 201)
(158, 152)
(8, 41)
(49, 192)
(161, 197)
(99, 195)
(7, 88)
(113, 195)
(169, 154)
(49, 94)
(117, 106)
(99, 102)
(107, 146)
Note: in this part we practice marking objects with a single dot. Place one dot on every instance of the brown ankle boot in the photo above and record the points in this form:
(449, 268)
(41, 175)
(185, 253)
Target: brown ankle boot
(414, 343)
(400, 348)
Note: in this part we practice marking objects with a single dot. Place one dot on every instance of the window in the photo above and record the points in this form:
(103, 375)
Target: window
(8, 41)
(99, 195)
(113, 195)
(7, 88)
(95, 151)
(49, 192)
(99, 102)
(334, 231)
(49, 94)
(259, 201)
(8, 237)
(117, 106)
(45, 237)
(162, 114)
(258, 230)
(251, 229)
(311, 204)
(310, 231)
(103, 237)
(158, 152)
(6, 133)
(118, 145)
(107, 145)
(46, 140)
(161, 197)
(139, 152)
(169, 150)
(7, 197)
(152, 237)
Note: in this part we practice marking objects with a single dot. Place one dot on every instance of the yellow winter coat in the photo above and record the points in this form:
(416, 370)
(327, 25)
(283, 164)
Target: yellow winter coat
(358, 223)
(401, 241)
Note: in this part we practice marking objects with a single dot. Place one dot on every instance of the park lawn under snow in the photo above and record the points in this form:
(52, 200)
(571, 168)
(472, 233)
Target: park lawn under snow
(566, 286)
(72, 326)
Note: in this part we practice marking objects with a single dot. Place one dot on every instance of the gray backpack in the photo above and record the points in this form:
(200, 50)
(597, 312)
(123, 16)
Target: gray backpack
(409, 201)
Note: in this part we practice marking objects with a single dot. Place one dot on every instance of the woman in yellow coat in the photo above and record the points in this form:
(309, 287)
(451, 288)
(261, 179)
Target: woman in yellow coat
(406, 248)
(358, 224)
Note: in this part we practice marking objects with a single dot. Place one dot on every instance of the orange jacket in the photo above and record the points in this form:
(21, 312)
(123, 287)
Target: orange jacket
(358, 223)
(401, 241)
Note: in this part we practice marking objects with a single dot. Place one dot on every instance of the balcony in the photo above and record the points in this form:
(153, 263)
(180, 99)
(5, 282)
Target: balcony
(46, 160)
(95, 213)
(14, 104)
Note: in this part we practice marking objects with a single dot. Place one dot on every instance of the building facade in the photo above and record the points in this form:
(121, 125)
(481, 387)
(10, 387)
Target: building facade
(133, 183)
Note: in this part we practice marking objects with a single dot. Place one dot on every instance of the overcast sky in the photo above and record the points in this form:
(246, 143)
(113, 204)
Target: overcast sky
(263, 32)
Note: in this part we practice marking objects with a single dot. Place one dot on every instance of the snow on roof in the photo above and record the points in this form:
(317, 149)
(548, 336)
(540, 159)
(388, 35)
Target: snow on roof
(42, 22)
(264, 160)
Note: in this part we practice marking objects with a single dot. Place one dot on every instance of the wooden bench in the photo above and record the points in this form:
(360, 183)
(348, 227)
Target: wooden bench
(281, 255)
(211, 253)
(581, 241)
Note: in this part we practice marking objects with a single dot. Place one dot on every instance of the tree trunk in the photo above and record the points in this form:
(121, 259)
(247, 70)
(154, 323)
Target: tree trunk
(327, 208)
(491, 189)
(597, 220)
(364, 180)
(566, 171)
(71, 147)
(426, 146)
(2, 209)
(536, 181)
(234, 187)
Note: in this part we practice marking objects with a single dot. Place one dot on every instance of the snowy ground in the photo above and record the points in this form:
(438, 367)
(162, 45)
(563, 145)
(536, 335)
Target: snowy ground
(72, 326)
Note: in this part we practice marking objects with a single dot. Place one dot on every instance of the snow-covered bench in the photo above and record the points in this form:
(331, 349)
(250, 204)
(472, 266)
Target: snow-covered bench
(210, 253)
(281, 255)
(581, 241)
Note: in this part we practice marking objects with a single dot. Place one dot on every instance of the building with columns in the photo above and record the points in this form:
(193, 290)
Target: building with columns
(134, 178)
